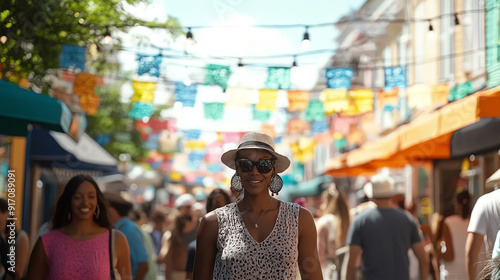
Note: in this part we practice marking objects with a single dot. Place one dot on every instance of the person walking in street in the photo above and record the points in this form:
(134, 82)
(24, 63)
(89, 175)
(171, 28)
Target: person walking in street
(383, 235)
(118, 212)
(158, 219)
(148, 244)
(332, 230)
(258, 237)
(12, 269)
(216, 199)
(483, 227)
(451, 239)
(79, 245)
(175, 249)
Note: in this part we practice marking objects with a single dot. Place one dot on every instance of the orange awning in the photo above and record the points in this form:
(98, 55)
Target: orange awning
(427, 137)
(382, 148)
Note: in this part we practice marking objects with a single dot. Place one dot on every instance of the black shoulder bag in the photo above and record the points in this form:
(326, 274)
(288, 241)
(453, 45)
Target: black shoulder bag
(111, 251)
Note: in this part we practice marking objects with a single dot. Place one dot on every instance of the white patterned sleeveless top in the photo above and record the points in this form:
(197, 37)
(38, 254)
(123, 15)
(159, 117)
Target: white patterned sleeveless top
(240, 256)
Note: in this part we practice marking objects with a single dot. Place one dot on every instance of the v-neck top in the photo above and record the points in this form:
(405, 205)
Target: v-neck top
(240, 256)
(77, 259)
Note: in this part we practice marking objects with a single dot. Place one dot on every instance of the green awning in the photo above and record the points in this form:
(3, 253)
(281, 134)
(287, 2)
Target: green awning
(311, 187)
(20, 107)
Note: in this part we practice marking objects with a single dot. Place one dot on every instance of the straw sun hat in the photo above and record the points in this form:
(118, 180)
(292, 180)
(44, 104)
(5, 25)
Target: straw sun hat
(381, 186)
(256, 140)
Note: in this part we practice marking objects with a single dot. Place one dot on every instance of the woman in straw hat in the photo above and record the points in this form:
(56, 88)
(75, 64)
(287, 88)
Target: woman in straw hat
(258, 237)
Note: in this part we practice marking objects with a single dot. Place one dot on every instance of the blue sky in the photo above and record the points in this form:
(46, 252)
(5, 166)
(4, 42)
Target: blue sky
(249, 41)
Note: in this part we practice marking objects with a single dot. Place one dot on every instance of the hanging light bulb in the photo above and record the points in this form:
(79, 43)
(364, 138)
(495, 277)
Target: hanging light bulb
(457, 21)
(189, 35)
(306, 43)
(294, 64)
(3, 36)
(430, 26)
(240, 63)
(107, 40)
(189, 44)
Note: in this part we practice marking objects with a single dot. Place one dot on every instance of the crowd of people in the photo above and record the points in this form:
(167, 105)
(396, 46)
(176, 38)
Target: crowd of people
(247, 233)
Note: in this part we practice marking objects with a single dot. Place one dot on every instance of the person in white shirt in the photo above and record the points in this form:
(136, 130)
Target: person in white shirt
(483, 227)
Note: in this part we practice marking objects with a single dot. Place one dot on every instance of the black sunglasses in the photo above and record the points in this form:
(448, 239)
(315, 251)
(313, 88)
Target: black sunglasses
(264, 166)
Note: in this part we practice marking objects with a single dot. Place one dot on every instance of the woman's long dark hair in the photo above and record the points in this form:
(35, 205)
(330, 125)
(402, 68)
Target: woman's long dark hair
(210, 199)
(338, 206)
(63, 207)
(463, 199)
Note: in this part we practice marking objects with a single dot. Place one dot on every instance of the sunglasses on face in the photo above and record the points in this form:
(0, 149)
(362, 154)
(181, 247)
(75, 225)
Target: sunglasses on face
(264, 166)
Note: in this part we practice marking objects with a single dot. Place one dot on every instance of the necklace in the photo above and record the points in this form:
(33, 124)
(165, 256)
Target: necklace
(256, 223)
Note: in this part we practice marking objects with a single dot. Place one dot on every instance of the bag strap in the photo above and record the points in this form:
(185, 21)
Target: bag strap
(111, 251)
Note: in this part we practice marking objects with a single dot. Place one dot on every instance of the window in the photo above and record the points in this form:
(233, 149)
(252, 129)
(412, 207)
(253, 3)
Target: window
(420, 31)
(474, 39)
(447, 40)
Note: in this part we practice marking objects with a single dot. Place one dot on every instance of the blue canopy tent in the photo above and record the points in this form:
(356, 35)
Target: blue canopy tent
(58, 150)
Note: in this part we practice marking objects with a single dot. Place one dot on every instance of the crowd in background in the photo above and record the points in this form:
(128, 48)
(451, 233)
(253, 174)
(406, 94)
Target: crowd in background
(161, 244)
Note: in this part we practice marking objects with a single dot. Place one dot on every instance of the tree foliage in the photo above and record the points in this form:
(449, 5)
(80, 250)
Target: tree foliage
(36, 30)
(111, 120)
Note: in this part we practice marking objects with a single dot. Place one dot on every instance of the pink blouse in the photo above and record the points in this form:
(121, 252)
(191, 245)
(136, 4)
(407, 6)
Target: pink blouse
(75, 259)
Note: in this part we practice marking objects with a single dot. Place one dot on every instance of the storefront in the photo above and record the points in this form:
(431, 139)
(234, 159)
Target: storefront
(434, 144)
(20, 111)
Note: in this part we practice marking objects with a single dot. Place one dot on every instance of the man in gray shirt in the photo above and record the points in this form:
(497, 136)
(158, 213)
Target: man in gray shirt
(382, 236)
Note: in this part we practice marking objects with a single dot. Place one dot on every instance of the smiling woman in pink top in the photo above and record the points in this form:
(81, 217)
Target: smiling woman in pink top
(78, 247)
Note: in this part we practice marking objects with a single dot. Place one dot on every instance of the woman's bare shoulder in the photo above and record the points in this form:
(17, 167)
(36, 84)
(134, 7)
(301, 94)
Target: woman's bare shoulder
(305, 217)
(120, 237)
(210, 218)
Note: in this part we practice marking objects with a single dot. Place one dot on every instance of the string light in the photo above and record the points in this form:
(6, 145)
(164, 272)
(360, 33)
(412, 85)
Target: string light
(338, 50)
(294, 64)
(457, 22)
(3, 36)
(240, 63)
(189, 35)
(306, 43)
(372, 67)
(430, 26)
(107, 40)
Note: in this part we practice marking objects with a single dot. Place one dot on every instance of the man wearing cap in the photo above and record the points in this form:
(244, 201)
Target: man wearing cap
(118, 212)
(382, 236)
(176, 246)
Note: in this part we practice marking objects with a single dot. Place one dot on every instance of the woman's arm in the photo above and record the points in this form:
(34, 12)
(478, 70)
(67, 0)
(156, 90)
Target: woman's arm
(206, 247)
(122, 253)
(322, 241)
(165, 244)
(38, 267)
(22, 250)
(308, 252)
(168, 259)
